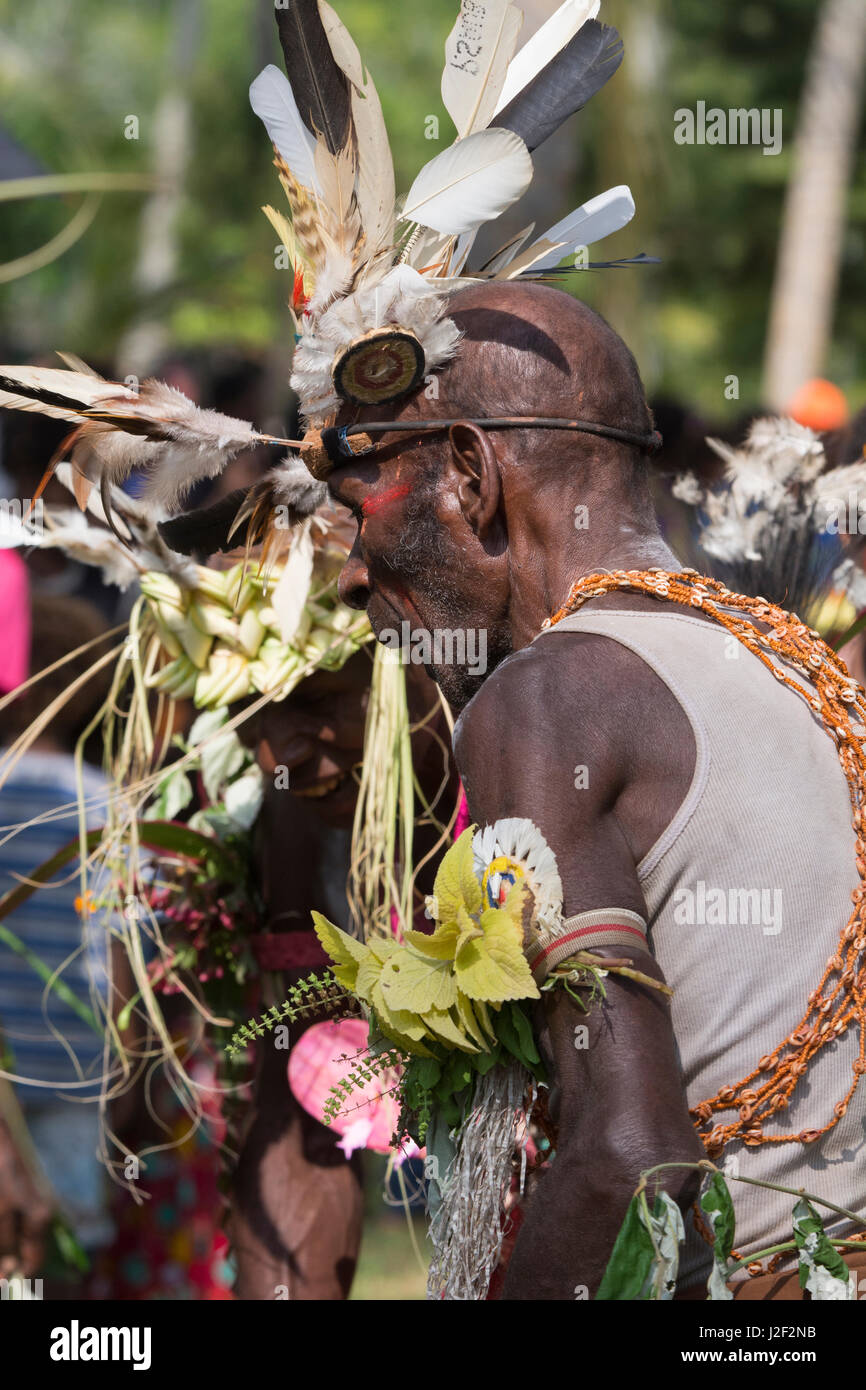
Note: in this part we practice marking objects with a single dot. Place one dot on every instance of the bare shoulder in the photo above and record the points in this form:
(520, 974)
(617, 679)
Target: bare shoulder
(568, 700)
(563, 679)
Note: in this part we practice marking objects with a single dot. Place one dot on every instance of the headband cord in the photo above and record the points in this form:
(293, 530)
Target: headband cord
(337, 440)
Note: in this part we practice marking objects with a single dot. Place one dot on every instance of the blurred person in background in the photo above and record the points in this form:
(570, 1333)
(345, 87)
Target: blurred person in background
(47, 1044)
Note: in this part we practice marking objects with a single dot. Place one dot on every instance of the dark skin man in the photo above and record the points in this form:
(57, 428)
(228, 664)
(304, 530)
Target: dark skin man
(476, 530)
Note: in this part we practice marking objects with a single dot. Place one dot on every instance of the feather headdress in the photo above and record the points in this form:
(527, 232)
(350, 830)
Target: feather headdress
(371, 274)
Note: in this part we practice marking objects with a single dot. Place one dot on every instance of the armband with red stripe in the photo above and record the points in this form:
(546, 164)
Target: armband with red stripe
(603, 926)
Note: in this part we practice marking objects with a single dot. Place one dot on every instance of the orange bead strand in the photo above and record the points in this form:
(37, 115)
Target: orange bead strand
(840, 997)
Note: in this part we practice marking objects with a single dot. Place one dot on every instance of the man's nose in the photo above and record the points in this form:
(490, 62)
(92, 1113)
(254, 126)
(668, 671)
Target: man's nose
(353, 585)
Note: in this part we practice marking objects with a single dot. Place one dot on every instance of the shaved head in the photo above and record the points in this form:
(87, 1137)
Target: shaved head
(529, 349)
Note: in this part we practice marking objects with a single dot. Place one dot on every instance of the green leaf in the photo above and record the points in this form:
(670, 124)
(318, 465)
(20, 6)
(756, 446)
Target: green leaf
(485, 1061)
(525, 1034)
(512, 1030)
(427, 1072)
(629, 1268)
(174, 793)
(666, 1227)
(220, 760)
(717, 1204)
(456, 1076)
(822, 1269)
(243, 798)
(189, 844)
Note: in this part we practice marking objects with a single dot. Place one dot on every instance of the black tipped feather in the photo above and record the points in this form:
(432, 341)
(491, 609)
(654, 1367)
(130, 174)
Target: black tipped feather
(320, 88)
(576, 73)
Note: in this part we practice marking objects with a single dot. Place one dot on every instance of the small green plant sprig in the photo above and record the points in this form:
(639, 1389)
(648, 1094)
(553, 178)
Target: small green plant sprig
(371, 1065)
(314, 994)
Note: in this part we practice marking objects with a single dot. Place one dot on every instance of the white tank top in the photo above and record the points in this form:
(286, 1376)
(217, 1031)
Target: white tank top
(748, 889)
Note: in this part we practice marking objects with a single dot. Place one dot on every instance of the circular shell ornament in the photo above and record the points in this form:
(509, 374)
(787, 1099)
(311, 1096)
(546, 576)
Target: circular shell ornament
(384, 364)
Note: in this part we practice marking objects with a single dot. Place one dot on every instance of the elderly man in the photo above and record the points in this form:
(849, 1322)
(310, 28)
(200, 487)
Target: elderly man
(674, 777)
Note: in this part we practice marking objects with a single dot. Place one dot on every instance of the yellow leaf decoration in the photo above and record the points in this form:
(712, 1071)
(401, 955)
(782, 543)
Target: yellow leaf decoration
(370, 970)
(440, 987)
(492, 967)
(401, 1027)
(456, 885)
(441, 945)
(443, 1028)
(412, 981)
(469, 1022)
(346, 953)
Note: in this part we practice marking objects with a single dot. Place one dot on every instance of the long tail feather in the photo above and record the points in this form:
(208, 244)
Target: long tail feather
(471, 84)
(320, 88)
(544, 45)
(565, 85)
(156, 428)
(374, 189)
(273, 101)
(591, 222)
(469, 183)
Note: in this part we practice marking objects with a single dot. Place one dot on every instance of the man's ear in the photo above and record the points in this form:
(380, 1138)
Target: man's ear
(480, 486)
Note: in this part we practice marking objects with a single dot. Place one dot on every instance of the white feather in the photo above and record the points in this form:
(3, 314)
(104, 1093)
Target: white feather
(273, 101)
(81, 390)
(477, 54)
(470, 183)
(593, 220)
(544, 45)
(374, 187)
(464, 245)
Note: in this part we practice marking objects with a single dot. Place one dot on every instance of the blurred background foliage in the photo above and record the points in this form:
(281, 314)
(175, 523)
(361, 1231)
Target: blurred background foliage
(73, 71)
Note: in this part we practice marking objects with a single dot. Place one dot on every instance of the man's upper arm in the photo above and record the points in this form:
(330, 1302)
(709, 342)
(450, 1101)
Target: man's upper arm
(534, 743)
(537, 743)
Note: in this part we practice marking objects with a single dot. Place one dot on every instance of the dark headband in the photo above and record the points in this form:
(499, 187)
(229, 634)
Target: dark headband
(336, 439)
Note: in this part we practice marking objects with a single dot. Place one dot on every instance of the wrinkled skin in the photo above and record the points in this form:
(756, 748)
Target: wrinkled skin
(502, 553)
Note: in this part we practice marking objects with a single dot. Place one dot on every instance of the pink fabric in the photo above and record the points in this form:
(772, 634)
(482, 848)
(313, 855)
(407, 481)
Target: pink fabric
(14, 621)
(462, 821)
(318, 1061)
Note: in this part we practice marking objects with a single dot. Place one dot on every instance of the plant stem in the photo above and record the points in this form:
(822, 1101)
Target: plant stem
(789, 1245)
(801, 1192)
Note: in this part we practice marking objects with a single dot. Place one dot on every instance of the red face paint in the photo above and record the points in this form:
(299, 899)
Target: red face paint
(371, 505)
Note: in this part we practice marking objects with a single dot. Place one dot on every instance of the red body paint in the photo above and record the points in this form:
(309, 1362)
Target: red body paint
(371, 505)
